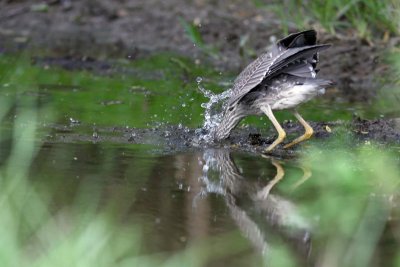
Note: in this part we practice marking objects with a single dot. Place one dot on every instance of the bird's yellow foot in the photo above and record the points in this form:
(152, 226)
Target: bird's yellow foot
(281, 137)
(307, 134)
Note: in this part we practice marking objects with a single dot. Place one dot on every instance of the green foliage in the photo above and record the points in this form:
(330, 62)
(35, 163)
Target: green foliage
(350, 201)
(352, 198)
(369, 18)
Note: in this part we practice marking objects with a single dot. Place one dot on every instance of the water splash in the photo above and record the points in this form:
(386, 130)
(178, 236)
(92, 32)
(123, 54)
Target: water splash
(213, 111)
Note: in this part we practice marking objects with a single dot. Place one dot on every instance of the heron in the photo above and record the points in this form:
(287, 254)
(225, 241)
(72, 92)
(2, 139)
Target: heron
(280, 79)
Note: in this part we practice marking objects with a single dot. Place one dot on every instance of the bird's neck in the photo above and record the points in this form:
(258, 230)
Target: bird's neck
(228, 123)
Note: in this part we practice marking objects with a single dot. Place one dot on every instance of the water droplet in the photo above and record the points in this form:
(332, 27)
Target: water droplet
(205, 168)
(74, 121)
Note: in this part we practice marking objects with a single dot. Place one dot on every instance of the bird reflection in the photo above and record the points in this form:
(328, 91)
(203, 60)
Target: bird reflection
(260, 215)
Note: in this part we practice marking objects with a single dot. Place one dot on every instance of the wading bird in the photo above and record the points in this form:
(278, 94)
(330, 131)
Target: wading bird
(281, 78)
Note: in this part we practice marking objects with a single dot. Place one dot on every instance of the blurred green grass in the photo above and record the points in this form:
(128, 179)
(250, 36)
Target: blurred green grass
(370, 19)
(354, 194)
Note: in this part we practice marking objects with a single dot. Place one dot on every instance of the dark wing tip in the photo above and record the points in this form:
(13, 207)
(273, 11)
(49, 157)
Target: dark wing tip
(298, 39)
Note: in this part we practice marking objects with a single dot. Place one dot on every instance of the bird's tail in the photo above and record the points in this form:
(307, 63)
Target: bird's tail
(321, 82)
(299, 39)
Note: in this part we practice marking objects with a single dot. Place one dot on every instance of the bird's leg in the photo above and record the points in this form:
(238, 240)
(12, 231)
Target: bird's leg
(307, 134)
(281, 133)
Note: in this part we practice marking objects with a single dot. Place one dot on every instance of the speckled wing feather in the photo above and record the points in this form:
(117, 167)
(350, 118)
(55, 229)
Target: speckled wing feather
(269, 64)
(293, 55)
(251, 76)
(254, 73)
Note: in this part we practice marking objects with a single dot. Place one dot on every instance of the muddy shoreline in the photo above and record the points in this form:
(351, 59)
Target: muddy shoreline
(171, 139)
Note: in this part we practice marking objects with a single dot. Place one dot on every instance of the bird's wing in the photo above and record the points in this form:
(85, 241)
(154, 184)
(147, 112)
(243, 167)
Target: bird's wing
(294, 55)
(251, 76)
(268, 65)
(304, 68)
